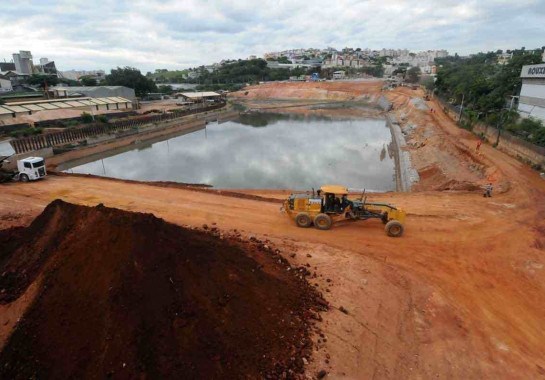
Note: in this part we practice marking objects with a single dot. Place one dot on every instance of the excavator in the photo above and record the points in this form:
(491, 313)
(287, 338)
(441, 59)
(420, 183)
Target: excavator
(330, 204)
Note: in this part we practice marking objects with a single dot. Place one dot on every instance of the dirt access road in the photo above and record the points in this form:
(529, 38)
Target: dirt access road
(460, 295)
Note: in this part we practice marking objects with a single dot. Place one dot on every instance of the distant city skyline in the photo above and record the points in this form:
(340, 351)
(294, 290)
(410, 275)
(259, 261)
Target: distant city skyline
(153, 35)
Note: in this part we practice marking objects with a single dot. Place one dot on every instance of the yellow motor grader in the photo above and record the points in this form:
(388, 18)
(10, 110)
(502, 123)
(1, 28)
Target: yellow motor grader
(330, 204)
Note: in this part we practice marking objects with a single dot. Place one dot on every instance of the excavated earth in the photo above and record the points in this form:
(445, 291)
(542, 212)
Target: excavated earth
(128, 295)
(459, 296)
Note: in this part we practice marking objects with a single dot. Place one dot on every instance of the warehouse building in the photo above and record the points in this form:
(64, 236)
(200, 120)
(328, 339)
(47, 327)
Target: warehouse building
(532, 92)
(94, 92)
(55, 107)
(198, 97)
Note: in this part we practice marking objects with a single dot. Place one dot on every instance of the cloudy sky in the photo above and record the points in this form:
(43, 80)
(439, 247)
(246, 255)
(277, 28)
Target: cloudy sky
(148, 34)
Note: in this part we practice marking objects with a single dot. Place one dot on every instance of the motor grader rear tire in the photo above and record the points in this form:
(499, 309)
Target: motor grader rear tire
(394, 228)
(303, 220)
(322, 222)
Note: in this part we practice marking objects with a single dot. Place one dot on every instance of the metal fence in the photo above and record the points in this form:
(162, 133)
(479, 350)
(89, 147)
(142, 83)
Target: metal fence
(28, 144)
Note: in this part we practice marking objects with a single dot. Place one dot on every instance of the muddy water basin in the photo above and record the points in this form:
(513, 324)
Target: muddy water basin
(261, 151)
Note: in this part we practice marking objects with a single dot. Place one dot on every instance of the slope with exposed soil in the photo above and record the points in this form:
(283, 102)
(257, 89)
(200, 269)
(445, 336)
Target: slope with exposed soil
(459, 296)
(130, 295)
(332, 91)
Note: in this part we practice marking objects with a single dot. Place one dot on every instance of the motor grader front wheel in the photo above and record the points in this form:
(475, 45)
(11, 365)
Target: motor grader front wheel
(394, 228)
(303, 220)
(322, 222)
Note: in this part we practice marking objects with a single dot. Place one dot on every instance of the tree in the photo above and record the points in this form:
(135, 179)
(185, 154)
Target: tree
(133, 78)
(283, 60)
(42, 80)
(429, 83)
(165, 89)
(88, 81)
(413, 75)
(86, 118)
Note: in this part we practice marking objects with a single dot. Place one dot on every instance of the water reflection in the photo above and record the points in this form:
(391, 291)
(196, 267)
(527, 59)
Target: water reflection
(290, 152)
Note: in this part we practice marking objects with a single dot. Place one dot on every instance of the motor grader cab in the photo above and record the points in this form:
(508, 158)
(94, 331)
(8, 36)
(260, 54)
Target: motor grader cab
(330, 204)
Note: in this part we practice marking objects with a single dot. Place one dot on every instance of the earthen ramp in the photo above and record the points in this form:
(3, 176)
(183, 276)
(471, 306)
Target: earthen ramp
(128, 295)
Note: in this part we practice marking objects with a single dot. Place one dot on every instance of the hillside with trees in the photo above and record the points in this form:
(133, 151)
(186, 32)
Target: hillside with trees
(234, 75)
(132, 78)
(487, 88)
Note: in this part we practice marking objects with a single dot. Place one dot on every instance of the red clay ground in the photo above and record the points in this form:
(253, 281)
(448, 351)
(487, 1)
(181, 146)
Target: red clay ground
(127, 295)
(459, 296)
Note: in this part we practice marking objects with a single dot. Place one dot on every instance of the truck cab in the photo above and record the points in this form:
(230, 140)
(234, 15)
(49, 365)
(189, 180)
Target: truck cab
(31, 169)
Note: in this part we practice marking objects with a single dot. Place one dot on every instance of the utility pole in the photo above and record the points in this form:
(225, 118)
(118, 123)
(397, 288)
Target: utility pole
(461, 107)
(500, 125)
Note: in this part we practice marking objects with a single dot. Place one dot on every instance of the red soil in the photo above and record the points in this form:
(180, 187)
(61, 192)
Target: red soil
(128, 295)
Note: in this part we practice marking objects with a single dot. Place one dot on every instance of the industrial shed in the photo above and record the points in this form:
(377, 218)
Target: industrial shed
(199, 96)
(12, 110)
(94, 92)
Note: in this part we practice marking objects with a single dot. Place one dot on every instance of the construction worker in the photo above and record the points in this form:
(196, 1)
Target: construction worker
(345, 202)
(329, 202)
(336, 204)
(488, 191)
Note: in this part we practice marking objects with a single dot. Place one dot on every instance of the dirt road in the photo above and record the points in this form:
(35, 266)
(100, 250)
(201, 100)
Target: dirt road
(460, 295)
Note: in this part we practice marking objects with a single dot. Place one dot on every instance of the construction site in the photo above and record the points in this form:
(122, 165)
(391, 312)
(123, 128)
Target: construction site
(118, 273)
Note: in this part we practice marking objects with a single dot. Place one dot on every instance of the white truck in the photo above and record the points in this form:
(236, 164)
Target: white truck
(28, 169)
(31, 169)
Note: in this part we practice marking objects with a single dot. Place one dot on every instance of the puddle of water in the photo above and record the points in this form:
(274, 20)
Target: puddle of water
(268, 151)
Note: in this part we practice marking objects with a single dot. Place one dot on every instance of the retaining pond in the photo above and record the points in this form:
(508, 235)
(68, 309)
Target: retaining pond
(262, 151)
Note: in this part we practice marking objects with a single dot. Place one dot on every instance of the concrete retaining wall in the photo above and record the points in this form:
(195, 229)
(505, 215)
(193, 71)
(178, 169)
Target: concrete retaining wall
(384, 104)
(406, 175)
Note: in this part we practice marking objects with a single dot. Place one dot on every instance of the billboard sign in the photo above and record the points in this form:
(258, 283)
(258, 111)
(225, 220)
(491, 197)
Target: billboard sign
(533, 71)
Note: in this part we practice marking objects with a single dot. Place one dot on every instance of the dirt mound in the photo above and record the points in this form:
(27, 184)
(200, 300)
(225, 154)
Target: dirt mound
(127, 295)
(339, 91)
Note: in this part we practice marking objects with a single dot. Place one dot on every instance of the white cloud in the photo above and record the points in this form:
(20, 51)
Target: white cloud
(178, 34)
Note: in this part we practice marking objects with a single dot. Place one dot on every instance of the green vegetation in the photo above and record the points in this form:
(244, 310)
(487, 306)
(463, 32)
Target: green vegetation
(376, 71)
(284, 60)
(88, 81)
(26, 132)
(42, 80)
(86, 118)
(413, 75)
(133, 78)
(487, 88)
(244, 71)
(529, 129)
(102, 119)
(165, 89)
(233, 75)
(166, 76)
